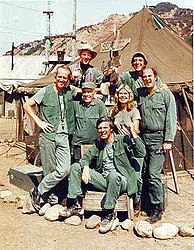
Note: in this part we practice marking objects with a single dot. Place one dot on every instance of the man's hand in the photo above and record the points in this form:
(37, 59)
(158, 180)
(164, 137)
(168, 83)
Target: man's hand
(46, 127)
(86, 174)
(167, 146)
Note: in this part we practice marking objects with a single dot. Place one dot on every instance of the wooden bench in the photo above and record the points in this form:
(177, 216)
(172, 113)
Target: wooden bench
(92, 200)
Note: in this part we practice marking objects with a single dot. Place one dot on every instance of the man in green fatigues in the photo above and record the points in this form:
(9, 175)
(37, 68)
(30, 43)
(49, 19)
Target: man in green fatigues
(87, 112)
(57, 123)
(158, 127)
(83, 71)
(106, 167)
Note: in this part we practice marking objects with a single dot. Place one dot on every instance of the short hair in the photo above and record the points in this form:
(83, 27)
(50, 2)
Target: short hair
(65, 67)
(153, 70)
(105, 119)
(139, 54)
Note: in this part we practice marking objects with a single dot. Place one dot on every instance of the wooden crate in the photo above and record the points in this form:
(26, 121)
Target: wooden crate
(92, 202)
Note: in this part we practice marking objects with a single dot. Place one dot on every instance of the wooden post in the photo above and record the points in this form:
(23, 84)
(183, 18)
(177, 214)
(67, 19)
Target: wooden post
(174, 172)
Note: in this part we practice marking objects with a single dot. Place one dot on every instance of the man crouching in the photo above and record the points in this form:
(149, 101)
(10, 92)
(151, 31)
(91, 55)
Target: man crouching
(106, 167)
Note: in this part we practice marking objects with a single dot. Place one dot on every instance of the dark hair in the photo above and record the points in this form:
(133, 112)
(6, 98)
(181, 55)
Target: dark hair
(139, 54)
(105, 119)
(65, 67)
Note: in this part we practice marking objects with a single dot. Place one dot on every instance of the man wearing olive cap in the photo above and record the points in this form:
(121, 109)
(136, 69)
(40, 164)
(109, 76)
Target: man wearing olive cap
(87, 112)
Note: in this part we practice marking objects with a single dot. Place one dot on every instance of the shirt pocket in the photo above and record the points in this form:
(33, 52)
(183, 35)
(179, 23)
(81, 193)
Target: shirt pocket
(159, 106)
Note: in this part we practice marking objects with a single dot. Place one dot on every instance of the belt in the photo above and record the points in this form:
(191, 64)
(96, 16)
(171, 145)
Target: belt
(147, 131)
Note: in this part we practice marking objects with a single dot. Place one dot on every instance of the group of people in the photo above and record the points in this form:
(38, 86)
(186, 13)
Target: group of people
(134, 134)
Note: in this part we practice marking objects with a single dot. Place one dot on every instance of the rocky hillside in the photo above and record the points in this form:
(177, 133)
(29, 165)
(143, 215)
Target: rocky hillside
(179, 19)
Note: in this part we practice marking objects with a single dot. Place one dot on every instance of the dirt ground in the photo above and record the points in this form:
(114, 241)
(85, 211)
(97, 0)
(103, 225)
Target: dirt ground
(21, 231)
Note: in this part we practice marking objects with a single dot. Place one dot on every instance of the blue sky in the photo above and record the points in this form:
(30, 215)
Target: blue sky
(23, 21)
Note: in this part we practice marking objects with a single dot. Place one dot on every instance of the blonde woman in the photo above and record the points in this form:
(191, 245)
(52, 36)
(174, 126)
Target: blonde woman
(125, 113)
(126, 118)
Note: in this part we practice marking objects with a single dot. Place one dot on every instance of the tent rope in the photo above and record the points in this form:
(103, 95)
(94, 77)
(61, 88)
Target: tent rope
(187, 138)
(187, 161)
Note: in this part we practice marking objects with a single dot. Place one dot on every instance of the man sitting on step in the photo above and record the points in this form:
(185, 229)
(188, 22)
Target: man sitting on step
(106, 167)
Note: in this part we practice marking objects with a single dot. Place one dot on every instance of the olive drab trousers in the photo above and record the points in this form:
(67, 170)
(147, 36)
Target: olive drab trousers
(55, 157)
(114, 185)
(154, 164)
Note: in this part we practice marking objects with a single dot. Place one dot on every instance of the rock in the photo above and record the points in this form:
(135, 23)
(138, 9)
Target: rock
(5, 193)
(20, 201)
(165, 231)
(127, 225)
(73, 220)
(115, 224)
(186, 231)
(143, 229)
(52, 213)
(93, 222)
(43, 209)
(27, 205)
(10, 199)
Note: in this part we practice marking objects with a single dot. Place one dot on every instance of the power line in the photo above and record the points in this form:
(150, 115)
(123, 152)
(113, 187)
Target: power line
(6, 27)
(13, 33)
(21, 7)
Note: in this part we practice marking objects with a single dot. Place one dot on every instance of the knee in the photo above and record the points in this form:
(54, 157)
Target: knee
(114, 177)
(74, 168)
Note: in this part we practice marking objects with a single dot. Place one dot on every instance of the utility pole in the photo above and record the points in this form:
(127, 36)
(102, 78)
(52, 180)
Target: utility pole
(49, 13)
(74, 30)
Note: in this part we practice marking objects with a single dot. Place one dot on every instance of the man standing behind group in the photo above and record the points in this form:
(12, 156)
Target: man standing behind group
(158, 127)
(87, 112)
(83, 71)
(57, 122)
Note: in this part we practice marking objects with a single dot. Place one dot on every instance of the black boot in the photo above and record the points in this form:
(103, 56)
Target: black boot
(35, 198)
(156, 213)
(73, 208)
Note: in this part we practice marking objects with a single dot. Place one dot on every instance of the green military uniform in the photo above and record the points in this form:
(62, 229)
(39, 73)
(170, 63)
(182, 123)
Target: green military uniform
(87, 74)
(56, 109)
(158, 125)
(117, 178)
(85, 120)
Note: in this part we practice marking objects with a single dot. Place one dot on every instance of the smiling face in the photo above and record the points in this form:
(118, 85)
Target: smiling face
(148, 78)
(88, 95)
(124, 96)
(138, 63)
(85, 56)
(62, 79)
(105, 131)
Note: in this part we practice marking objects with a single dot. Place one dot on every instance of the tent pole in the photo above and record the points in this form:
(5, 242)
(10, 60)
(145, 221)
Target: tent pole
(188, 108)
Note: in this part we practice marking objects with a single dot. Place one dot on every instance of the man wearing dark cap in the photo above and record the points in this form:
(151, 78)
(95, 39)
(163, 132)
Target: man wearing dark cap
(83, 71)
(87, 112)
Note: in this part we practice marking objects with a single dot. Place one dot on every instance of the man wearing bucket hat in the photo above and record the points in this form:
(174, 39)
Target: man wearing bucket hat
(87, 112)
(83, 71)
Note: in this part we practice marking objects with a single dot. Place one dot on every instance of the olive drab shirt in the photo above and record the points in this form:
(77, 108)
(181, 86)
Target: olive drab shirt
(85, 119)
(51, 112)
(122, 162)
(90, 75)
(158, 112)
